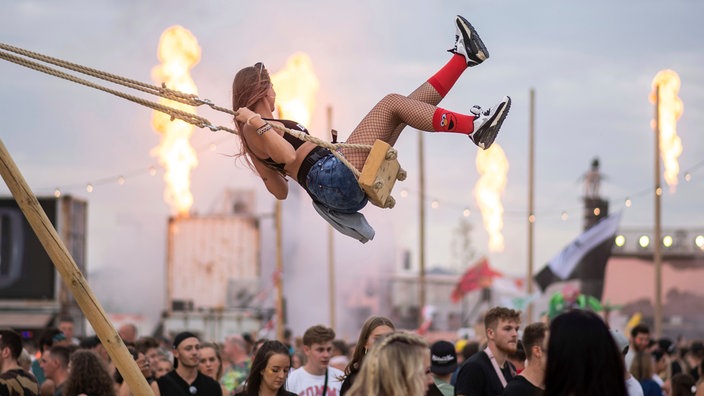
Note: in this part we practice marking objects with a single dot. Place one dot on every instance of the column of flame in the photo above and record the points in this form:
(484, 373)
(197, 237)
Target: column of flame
(670, 109)
(296, 86)
(493, 170)
(178, 52)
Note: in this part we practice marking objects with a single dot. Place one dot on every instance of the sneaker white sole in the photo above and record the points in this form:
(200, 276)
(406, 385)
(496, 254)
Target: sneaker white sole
(472, 39)
(485, 136)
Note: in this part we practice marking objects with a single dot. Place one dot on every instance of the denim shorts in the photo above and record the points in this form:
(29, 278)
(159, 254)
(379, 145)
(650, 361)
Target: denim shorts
(333, 184)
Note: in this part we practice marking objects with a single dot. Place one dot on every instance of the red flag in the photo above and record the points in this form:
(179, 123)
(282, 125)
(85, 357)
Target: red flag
(476, 277)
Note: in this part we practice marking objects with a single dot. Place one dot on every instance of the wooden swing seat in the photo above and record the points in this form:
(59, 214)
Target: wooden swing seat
(379, 174)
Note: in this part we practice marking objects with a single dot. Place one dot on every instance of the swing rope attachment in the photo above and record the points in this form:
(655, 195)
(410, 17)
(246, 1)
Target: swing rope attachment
(377, 176)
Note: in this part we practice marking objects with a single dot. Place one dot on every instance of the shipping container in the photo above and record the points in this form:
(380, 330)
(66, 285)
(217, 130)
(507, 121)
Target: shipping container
(213, 271)
(212, 262)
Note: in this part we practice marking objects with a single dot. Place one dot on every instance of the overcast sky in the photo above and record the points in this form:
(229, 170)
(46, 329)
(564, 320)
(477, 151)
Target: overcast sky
(591, 65)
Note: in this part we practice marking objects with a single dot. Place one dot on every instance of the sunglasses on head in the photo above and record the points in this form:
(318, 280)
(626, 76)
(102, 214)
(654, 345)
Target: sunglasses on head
(260, 67)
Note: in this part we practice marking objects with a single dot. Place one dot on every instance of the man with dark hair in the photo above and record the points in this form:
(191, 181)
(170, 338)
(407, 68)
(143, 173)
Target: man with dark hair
(531, 381)
(185, 379)
(50, 337)
(316, 374)
(13, 380)
(487, 372)
(640, 340)
(54, 362)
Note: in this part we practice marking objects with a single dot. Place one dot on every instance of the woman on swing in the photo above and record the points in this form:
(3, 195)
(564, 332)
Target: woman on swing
(330, 183)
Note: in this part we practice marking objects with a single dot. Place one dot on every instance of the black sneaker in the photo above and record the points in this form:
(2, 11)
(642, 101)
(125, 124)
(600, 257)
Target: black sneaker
(468, 43)
(488, 122)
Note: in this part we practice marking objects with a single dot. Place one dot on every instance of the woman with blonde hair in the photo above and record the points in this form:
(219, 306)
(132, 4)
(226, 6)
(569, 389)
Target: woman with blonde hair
(399, 364)
(210, 362)
(642, 370)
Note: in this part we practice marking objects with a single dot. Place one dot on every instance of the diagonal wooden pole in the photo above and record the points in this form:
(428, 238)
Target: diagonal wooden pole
(71, 275)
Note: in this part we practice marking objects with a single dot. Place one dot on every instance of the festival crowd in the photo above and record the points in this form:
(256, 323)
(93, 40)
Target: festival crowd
(574, 353)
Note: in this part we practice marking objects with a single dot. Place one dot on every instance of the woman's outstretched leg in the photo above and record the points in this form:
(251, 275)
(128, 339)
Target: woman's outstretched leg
(388, 118)
(394, 110)
(468, 50)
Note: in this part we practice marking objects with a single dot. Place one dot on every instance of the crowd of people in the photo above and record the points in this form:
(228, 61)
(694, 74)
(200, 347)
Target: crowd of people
(575, 353)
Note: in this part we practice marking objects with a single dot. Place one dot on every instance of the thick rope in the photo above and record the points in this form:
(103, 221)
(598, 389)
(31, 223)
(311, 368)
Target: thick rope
(134, 84)
(190, 118)
(163, 91)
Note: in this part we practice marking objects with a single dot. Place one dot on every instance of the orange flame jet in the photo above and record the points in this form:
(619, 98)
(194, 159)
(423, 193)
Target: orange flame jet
(178, 52)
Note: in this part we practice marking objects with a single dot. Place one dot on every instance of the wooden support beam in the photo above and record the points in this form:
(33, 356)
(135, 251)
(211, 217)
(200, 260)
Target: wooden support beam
(71, 275)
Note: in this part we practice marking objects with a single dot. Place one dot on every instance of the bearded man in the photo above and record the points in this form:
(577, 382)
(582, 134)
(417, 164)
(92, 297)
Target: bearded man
(486, 373)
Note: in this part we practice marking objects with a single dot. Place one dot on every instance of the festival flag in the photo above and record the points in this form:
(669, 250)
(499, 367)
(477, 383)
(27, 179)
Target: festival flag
(584, 258)
(476, 277)
(428, 312)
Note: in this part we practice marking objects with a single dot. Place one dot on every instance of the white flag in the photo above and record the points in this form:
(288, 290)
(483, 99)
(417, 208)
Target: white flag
(564, 263)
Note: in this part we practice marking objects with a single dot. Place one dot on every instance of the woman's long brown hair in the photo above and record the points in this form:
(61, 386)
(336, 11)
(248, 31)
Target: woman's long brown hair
(250, 85)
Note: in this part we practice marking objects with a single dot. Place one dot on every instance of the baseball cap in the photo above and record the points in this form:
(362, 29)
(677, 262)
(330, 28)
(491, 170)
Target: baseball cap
(443, 358)
(180, 337)
(620, 340)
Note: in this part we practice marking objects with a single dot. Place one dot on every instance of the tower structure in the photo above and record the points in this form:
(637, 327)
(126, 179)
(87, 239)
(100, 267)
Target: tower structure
(595, 207)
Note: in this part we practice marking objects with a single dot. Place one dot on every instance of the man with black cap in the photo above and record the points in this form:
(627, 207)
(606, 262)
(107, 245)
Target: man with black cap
(185, 379)
(443, 362)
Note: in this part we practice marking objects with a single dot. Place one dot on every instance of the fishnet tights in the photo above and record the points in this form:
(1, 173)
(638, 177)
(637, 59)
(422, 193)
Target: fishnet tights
(388, 118)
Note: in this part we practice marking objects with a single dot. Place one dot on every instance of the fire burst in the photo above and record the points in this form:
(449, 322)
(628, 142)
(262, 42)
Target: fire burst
(669, 108)
(178, 52)
(296, 87)
(493, 169)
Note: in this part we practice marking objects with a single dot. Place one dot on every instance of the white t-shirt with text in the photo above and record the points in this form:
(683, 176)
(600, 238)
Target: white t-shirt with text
(303, 383)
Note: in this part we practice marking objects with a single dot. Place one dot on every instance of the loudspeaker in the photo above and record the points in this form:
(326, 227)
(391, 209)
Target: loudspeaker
(26, 271)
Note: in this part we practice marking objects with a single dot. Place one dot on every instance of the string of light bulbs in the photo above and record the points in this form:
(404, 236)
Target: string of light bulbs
(467, 210)
(433, 201)
(121, 178)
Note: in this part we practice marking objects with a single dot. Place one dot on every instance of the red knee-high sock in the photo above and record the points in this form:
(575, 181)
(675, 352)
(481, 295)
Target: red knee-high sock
(448, 121)
(446, 77)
